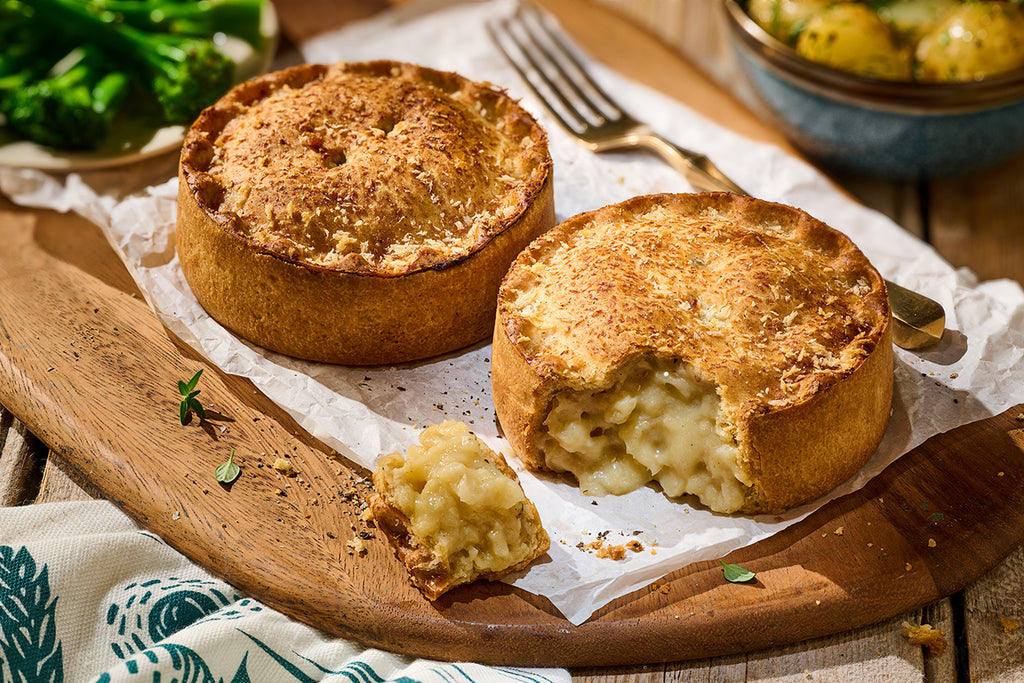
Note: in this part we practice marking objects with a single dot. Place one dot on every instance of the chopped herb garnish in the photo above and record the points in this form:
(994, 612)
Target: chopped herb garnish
(189, 402)
(736, 574)
(227, 472)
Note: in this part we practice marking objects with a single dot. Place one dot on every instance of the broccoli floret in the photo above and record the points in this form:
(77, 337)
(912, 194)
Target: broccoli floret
(71, 107)
(186, 74)
(15, 18)
(204, 18)
(20, 65)
(25, 51)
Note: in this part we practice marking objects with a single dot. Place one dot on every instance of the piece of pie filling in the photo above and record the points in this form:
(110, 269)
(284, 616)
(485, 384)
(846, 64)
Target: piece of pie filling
(657, 423)
(457, 499)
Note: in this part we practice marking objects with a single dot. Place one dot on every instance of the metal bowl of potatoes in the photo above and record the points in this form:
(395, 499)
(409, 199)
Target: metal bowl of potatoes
(899, 89)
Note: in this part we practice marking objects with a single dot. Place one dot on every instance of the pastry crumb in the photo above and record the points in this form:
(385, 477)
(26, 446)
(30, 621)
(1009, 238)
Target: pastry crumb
(933, 639)
(615, 552)
(612, 552)
(285, 467)
(356, 545)
(1009, 624)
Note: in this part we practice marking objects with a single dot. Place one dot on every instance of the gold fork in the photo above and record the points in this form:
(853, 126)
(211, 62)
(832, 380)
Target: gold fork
(596, 121)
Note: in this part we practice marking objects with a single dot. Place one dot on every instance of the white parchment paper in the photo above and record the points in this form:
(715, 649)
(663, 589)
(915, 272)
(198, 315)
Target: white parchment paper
(975, 372)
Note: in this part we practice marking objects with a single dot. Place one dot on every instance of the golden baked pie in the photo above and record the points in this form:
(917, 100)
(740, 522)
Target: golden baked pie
(455, 511)
(359, 213)
(724, 347)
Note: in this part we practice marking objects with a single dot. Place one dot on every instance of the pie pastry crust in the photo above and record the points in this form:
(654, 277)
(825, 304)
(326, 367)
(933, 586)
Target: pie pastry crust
(779, 319)
(359, 213)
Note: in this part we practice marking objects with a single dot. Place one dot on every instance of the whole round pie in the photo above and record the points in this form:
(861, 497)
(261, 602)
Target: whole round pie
(359, 213)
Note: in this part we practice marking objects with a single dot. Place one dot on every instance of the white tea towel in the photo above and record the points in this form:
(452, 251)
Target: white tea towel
(86, 595)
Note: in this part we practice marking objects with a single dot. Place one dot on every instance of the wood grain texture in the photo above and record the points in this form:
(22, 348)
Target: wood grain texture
(994, 623)
(986, 233)
(59, 485)
(19, 471)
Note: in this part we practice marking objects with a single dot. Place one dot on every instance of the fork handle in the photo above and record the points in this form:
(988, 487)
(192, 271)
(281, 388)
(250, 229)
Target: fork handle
(696, 168)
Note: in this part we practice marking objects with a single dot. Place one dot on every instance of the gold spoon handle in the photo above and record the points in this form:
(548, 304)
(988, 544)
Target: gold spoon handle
(918, 320)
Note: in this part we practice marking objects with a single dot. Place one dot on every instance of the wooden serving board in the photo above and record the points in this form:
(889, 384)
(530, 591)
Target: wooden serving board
(88, 368)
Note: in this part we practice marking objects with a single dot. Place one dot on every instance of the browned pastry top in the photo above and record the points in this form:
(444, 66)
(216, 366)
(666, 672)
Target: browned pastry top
(376, 168)
(764, 301)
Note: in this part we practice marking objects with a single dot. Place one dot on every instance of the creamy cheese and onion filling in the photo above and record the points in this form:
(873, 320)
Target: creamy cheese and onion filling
(711, 343)
(459, 503)
(658, 423)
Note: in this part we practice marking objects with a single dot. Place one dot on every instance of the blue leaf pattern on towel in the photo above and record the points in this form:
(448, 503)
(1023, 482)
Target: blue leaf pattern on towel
(29, 648)
(143, 620)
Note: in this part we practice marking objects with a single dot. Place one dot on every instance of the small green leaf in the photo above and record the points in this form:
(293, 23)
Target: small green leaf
(189, 402)
(227, 472)
(736, 574)
(192, 382)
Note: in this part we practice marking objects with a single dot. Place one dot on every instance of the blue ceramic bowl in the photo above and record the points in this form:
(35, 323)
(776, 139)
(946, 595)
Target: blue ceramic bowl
(895, 130)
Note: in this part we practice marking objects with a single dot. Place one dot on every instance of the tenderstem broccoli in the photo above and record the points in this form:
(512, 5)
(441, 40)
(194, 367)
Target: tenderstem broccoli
(185, 73)
(24, 48)
(205, 18)
(72, 107)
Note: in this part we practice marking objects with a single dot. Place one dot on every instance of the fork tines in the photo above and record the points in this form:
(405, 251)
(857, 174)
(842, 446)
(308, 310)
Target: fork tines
(550, 68)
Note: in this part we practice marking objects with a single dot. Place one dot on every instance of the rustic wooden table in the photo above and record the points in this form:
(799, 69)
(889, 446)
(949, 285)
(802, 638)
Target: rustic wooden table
(976, 222)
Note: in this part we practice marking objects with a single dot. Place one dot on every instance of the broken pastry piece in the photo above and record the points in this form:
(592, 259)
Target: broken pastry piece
(455, 511)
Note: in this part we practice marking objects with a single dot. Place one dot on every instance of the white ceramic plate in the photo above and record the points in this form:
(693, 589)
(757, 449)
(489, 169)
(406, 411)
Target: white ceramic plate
(135, 138)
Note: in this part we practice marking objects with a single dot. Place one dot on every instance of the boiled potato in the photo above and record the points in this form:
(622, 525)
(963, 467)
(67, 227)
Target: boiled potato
(784, 19)
(851, 37)
(976, 40)
(911, 20)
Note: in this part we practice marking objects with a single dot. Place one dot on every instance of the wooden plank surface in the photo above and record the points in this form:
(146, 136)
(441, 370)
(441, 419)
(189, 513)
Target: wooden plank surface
(877, 652)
